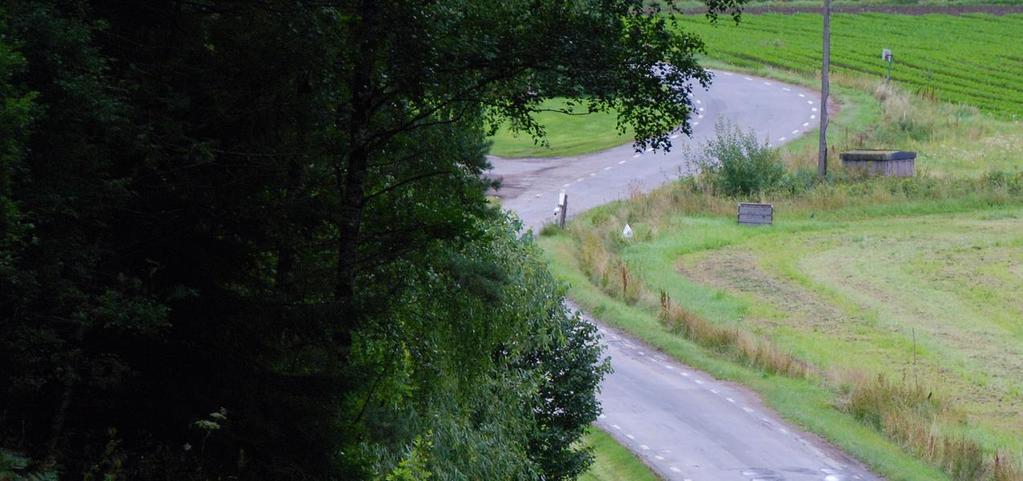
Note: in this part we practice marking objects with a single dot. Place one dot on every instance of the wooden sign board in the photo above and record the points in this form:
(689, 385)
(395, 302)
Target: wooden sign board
(756, 214)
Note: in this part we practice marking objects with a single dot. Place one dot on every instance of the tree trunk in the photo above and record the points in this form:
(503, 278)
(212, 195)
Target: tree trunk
(822, 154)
(351, 179)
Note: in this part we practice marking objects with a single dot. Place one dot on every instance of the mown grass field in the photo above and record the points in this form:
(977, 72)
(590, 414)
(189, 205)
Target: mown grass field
(918, 283)
(930, 299)
(567, 134)
(970, 59)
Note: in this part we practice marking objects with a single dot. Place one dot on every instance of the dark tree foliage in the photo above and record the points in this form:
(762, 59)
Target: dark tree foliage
(250, 239)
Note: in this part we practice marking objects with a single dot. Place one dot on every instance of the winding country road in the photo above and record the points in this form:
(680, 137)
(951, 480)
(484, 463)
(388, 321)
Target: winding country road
(684, 423)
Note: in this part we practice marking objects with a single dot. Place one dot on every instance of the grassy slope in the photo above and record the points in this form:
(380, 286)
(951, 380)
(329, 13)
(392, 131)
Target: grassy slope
(803, 402)
(566, 134)
(929, 298)
(613, 462)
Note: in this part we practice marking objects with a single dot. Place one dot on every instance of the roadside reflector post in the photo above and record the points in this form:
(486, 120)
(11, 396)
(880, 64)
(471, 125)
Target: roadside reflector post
(562, 209)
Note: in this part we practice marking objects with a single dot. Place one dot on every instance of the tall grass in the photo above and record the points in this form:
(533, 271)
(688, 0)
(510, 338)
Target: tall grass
(597, 251)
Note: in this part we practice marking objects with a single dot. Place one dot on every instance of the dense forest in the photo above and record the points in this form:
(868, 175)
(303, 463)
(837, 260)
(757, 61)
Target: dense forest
(252, 239)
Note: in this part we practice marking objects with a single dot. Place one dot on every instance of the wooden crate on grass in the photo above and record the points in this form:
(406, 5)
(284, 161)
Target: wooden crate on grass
(756, 214)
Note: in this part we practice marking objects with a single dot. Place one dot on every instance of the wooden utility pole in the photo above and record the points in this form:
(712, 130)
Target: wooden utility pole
(562, 209)
(822, 155)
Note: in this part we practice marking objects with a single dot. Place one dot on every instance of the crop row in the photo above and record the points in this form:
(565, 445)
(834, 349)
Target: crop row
(971, 59)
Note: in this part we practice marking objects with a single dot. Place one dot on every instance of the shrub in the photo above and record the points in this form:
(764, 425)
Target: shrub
(737, 164)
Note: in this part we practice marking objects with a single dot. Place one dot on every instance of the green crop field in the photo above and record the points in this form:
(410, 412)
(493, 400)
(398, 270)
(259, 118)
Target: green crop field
(973, 59)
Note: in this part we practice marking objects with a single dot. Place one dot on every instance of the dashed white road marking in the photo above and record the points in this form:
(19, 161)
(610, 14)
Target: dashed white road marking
(699, 101)
(607, 168)
(592, 174)
(603, 416)
(538, 195)
(813, 117)
(580, 179)
(801, 95)
(809, 102)
(747, 78)
(715, 391)
(806, 124)
(630, 437)
(767, 84)
(659, 457)
(635, 156)
(673, 468)
(783, 430)
(748, 410)
(695, 124)
(768, 421)
(701, 109)
(795, 131)
(620, 162)
(616, 426)
(730, 400)
(781, 139)
(698, 381)
(567, 185)
(649, 149)
(686, 374)
(644, 447)
(813, 109)
(673, 137)
(669, 366)
(786, 89)
(641, 353)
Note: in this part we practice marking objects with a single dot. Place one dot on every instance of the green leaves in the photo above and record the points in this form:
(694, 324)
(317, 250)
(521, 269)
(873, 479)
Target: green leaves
(279, 208)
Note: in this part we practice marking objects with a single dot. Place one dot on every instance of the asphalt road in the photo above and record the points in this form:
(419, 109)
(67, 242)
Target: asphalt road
(684, 423)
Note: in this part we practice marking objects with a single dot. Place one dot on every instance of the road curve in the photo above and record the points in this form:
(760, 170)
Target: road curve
(684, 423)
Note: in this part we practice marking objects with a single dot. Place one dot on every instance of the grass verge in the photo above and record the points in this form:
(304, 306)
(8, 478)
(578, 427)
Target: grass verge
(783, 345)
(613, 462)
(568, 134)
